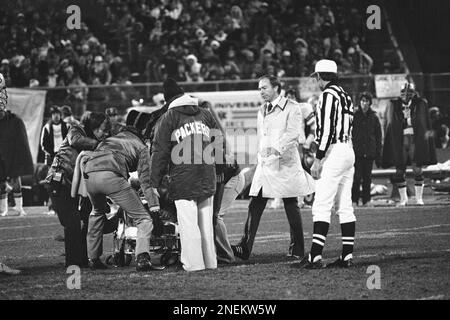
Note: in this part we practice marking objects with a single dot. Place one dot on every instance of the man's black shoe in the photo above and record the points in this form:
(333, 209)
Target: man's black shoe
(143, 263)
(306, 264)
(240, 252)
(97, 264)
(339, 263)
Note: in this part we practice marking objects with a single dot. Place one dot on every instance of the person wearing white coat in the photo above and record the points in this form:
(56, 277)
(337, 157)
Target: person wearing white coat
(279, 173)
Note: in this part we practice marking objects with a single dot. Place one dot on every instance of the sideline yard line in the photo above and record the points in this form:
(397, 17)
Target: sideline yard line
(438, 297)
(414, 209)
(361, 232)
(26, 239)
(30, 226)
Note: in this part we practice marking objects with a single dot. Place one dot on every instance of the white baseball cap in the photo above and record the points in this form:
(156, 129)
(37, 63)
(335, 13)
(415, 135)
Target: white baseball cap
(325, 66)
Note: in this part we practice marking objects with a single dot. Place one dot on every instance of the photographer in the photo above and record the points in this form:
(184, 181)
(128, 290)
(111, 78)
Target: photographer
(80, 137)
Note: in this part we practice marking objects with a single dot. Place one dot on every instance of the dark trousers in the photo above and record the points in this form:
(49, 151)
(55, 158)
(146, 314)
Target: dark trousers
(255, 211)
(74, 224)
(363, 175)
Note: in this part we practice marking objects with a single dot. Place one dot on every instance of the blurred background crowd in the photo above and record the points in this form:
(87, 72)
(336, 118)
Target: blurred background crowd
(193, 41)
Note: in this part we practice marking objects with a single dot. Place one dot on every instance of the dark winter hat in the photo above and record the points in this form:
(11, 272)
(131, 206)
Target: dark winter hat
(66, 111)
(171, 89)
(142, 120)
(55, 109)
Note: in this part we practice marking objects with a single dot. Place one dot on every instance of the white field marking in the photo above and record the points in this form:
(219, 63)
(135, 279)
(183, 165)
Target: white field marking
(37, 286)
(25, 239)
(358, 234)
(415, 209)
(438, 297)
(394, 253)
(30, 226)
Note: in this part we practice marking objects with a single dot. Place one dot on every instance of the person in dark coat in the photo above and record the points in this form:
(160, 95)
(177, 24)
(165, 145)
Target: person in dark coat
(85, 136)
(53, 134)
(15, 150)
(408, 140)
(367, 145)
(180, 147)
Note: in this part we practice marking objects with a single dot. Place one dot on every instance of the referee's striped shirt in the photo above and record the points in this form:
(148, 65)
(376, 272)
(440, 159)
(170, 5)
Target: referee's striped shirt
(334, 117)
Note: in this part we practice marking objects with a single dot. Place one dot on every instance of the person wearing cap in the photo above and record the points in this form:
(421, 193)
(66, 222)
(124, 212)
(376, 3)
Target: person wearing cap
(279, 173)
(367, 137)
(106, 171)
(333, 167)
(14, 152)
(409, 140)
(189, 129)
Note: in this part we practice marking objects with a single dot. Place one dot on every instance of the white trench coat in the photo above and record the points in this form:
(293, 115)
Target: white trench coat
(281, 176)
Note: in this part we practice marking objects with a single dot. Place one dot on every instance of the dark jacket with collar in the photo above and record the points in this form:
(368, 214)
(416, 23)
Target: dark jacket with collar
(47, 141)
(65, 159)
(367, 135)
(14, 146)
(181, 141)
(425, 151)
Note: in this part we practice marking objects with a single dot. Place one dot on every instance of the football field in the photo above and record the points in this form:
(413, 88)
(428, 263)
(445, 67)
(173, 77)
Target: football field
(399, 254)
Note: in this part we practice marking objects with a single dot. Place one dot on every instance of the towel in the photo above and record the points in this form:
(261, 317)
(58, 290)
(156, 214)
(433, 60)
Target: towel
(78, 183)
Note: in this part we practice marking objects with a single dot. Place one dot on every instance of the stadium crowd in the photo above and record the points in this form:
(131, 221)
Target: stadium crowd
(193, 41)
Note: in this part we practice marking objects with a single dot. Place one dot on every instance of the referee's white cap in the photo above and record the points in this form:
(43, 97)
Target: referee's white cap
(325, 65)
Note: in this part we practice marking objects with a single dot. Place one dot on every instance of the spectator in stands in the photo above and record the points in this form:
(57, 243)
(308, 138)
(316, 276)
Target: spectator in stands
(367, 145)
(344, 66)
(361, 61)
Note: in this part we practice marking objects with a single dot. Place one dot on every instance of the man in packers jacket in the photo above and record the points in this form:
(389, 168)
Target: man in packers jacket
(183, 145)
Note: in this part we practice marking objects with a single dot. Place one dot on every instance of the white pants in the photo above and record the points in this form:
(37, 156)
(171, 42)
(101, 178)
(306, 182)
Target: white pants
(195, 221)
(335, 185)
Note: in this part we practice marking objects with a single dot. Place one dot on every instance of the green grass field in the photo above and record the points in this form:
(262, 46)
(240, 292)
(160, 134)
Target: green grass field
(411, 247)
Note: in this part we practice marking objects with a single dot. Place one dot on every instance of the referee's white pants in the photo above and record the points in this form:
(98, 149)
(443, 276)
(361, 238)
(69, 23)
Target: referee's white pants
(195, 222)
(334, 188)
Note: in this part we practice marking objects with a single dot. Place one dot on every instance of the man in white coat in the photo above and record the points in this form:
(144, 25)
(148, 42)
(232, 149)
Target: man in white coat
(279, 173)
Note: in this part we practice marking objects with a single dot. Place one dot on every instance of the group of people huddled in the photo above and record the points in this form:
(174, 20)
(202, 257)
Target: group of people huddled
(90, 162)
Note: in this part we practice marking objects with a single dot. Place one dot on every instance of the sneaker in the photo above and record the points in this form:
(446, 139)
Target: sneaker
(291, 255)
(4, 214)
(240, 252)
(4, 269)
(143, 263)
(339, 263)
(420, 202)
(21, 212)
(51, 213)
(97, 264)
(306, 264)
(402, 204)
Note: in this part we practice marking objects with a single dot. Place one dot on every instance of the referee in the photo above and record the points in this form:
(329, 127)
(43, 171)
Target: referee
(333, 167)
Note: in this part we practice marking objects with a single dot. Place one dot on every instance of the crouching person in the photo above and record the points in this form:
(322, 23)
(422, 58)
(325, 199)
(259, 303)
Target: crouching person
(82, 137)
(181, 140)
(106, 172)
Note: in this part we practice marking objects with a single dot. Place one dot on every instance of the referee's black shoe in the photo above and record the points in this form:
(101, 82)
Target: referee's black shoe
(240, 252)
(339, 263)
(306, 264)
